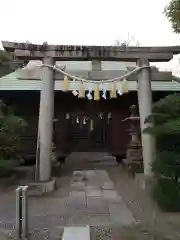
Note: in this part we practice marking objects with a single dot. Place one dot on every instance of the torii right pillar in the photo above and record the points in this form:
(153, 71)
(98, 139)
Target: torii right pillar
(145, 109)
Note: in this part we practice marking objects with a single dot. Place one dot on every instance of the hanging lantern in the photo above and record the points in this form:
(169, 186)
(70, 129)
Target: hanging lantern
(91, 125)
(113, 91)
(67, 116)
(81, 91)
(96, 93)
(77, 119)
(109, 117)
(84, 120)
(65, 83)
(72, 120)
(125, 86)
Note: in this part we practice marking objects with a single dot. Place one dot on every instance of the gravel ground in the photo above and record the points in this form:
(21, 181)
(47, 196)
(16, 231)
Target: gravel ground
(145, 211)
(152, 223)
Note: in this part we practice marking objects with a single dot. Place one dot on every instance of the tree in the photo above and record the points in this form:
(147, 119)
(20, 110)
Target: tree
(5, 63)
(11, 128)
(166, 166)
(131, 41)
(9, 63)
(172, 12)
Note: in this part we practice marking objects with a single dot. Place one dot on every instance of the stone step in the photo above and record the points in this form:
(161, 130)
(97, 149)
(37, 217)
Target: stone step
(103, 163)
(103, 159)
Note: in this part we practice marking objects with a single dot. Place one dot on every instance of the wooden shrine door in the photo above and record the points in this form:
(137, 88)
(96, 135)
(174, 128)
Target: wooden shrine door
(89, 129)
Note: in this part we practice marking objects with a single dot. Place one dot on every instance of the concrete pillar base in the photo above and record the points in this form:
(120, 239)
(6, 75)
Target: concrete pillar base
(40, 188)
(142, 181)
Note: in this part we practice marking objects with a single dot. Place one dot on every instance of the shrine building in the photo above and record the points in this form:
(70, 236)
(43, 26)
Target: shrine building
(81, 124)
(73, 135)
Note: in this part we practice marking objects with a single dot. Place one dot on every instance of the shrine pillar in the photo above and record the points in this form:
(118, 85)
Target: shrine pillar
(46, 114)
(145, 109)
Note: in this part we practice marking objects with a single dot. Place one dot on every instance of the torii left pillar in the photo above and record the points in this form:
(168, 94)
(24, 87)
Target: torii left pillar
(46, 114)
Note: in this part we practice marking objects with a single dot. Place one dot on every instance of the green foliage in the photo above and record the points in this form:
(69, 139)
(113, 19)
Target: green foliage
(166, 194)
(166, 166)
(11, 128)
(4, 165)
(5, 63)
(172, 12)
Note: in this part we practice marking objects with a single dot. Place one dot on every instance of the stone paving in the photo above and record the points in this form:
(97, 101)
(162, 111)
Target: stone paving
(91, 199)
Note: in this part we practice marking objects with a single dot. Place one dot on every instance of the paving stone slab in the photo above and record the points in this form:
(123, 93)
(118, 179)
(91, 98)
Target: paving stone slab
(76, 233)
(121, 215)
(79, 173)
(80, 194)
(78, 219)
(102, 173)
(103, 207)
(93, 193)
(76, 201)
(90, 173)
(93, 187)
(108, 185)
(97, 211)
(90, 220)
(100, 221)
(117, 200)
(77, 186)
(109, 194)
(94, 200)
(93, 183)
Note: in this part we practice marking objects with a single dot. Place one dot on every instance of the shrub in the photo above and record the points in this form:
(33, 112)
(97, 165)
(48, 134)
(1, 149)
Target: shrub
(166, 166)
(11, 128)
(166, 194)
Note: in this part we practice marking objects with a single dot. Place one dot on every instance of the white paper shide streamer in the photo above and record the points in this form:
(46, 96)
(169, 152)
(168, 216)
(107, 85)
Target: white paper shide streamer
(118, 85)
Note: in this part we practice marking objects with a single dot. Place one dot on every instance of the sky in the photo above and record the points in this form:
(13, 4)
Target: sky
(87, 22)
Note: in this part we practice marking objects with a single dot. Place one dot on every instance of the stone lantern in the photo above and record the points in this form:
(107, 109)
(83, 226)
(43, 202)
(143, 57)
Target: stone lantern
(134, 159)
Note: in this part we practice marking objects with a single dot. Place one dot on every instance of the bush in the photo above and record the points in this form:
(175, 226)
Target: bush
(166, 194)
(6, 168)
(166, 166)
(11, 128)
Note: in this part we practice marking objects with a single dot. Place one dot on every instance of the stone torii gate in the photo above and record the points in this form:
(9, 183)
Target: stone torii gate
(51, 53)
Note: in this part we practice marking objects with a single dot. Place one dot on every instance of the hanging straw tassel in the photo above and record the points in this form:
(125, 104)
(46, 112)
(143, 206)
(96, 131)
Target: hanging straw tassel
(81, 91)
(125, 86)
(66, 83)
(96, 93)
(113, 93)
(121, 89)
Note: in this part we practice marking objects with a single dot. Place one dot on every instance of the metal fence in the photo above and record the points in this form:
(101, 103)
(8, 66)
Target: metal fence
(22, 212)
